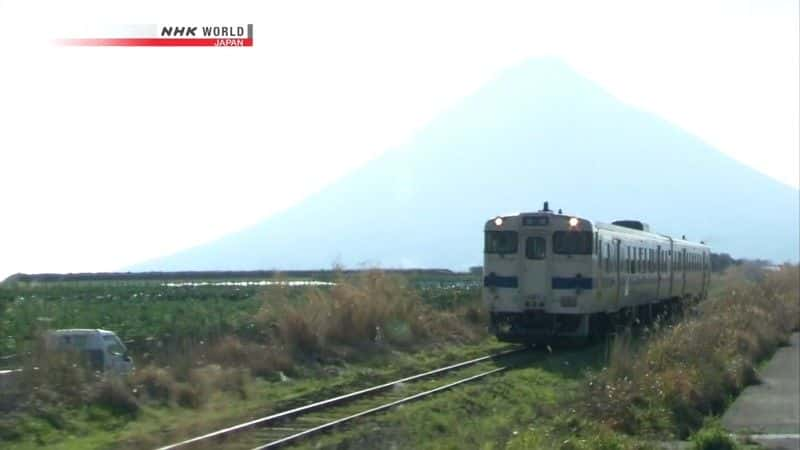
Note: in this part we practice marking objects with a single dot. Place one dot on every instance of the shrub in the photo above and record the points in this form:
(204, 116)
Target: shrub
(116, 396)
(155, 384)
(213, 377)
(191, 396)
(713, 437)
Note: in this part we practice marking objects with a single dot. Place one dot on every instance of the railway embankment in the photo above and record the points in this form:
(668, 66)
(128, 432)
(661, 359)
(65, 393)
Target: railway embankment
(687, 373)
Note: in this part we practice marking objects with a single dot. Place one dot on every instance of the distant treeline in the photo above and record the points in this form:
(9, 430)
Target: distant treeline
(205, 275)
(721, 261)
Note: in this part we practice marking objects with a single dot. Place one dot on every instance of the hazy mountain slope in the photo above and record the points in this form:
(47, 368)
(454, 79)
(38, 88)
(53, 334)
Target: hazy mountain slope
(539, 132)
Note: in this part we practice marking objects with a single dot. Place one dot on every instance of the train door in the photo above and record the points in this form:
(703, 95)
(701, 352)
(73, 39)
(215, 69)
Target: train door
(682, 265)
(704, 273)
(671, 268)
(659, 271)
(534, 268)
(617, 269)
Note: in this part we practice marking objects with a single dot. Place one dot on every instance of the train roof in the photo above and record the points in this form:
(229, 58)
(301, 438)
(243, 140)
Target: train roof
(647, 234)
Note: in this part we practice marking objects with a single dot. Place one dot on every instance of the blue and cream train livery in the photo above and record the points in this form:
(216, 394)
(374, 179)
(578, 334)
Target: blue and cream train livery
(547, 274)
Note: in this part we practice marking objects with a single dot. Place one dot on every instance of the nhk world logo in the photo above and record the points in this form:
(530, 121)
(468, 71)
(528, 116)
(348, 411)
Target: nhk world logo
(179, 35)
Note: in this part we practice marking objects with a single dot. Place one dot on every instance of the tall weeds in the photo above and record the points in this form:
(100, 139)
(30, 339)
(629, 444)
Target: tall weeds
(690, 370)
(366, 310)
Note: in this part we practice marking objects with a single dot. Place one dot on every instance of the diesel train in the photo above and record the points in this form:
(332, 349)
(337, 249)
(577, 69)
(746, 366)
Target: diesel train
(550, 275)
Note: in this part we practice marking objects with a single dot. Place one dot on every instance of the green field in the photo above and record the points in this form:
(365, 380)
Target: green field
(159, 314)
(209, 355)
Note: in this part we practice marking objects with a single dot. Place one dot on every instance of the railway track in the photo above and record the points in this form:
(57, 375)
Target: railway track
(291, 426)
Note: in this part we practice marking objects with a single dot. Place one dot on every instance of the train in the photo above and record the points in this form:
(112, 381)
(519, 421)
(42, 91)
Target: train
(550, 276)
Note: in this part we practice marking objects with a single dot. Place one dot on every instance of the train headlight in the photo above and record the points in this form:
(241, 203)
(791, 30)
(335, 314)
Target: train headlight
(573, 222)
(498, 221)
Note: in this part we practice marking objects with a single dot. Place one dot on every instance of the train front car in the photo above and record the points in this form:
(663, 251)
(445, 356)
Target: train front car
(538, 276)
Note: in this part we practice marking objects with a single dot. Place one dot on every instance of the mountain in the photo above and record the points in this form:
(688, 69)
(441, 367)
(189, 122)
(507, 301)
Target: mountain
(538, 132)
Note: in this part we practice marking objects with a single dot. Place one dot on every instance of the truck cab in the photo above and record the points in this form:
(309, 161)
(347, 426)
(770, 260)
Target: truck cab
(102, 349)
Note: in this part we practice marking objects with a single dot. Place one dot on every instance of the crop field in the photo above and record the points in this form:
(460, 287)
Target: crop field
(150, 315)
(211, 352)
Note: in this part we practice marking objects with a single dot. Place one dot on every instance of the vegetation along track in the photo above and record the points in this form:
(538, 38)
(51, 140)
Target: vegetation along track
(290, 426)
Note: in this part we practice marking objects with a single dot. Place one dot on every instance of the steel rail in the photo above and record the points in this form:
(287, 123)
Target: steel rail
(383, 407)
(334, 400)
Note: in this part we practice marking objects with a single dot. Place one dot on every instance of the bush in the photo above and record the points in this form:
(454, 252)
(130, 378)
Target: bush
(191, 396)
(155, 384)
(159, 385)
(116, 396)
(713, 437)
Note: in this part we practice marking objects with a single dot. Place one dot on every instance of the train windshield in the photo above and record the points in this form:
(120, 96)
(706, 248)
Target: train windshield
(572, 242)
(500, 242)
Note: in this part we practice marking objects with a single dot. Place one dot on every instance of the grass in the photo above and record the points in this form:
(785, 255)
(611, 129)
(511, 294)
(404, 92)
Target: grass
(286, 347)
(713, 437)
(653, 388)
(278, 347)
(493, 414)
(694, 369)
(157, 423)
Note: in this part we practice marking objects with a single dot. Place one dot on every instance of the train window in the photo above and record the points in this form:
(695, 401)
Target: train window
(535, 248)
(652, 260)
(645, 263)
(643, 259)
(572, 242)
(659, 267)
(501, 242)
(628, 262)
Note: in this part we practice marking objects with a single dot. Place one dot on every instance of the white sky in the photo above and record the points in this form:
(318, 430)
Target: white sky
(110, 156)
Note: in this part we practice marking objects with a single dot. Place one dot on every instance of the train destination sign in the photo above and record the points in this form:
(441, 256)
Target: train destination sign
(534, 221)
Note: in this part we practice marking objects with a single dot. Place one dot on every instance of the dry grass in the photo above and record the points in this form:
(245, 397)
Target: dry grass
(115, 395)
(292, 331)
(691, 370)
(367, 310)
(159, 385)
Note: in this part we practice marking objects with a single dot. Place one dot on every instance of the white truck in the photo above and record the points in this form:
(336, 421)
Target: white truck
(103, 352)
